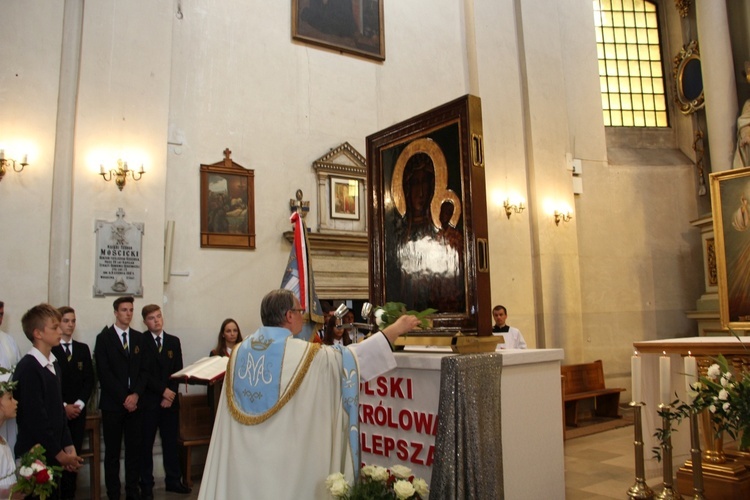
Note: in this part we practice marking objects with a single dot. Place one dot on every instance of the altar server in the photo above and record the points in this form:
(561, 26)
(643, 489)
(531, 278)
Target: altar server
(513, 337)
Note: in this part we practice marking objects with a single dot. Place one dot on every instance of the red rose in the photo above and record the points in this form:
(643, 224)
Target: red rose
(42, 476)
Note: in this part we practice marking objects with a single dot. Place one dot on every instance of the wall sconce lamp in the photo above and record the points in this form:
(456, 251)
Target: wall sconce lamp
(10, 162)
(562, 216)
(121, 173)
(516, 207)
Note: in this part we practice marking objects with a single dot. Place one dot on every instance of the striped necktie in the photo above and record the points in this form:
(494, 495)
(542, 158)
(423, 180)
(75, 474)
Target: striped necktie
(158, 343)
(66, 346)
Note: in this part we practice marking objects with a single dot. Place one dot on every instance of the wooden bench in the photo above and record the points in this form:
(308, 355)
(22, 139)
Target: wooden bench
(586, 382)
(196, 423)
(91, 452)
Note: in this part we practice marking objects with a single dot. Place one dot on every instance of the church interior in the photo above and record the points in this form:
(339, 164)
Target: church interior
(607, 251)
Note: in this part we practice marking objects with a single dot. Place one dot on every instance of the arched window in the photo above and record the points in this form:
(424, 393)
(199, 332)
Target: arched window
(631, 72)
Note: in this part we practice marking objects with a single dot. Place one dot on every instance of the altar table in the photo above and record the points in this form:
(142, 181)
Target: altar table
(399, 418)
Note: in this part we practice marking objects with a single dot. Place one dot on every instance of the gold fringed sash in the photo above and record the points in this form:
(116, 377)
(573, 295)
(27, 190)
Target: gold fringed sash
(297, 379)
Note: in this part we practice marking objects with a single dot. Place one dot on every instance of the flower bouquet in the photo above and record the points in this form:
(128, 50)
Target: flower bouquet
(727, 399)
(34, 476)
(375, 482)
(388, 313)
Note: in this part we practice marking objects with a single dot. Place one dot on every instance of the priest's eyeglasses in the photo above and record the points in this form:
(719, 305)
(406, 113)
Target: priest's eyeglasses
(298, 310)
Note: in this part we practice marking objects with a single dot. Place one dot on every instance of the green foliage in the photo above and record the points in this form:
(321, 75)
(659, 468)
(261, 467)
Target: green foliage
(391, 311)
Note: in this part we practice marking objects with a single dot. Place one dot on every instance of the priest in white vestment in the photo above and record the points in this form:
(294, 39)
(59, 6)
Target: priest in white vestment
(288, 416)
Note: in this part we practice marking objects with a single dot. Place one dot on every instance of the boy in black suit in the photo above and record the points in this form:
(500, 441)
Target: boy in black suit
(118, 364)
(162, 355)
(77, 373)
(41, 415)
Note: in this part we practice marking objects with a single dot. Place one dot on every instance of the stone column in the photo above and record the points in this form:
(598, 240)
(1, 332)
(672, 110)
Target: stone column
(718, 80)
(58, 288)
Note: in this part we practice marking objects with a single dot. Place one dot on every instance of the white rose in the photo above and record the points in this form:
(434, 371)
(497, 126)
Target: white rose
(339, 488)
(728, 375)
(26, 472)
(401, 472)
(714, 371)
(723, 395)
(724, 382)
(712, 409)
(403, 489)
(331, 479)
(420, 485)
(379, 317)
(36, 467)
(726, 406)
(379, 473)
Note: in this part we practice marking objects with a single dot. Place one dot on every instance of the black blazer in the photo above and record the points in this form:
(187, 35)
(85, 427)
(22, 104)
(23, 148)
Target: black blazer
(159, 367)
(77, 374)
(120, 373)
(41, 415)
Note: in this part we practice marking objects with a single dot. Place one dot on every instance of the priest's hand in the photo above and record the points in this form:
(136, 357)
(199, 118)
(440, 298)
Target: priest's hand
(404, 324)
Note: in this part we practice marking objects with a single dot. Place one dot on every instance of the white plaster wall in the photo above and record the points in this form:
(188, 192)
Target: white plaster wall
(30, 40)
(279, 105)
(122, 113)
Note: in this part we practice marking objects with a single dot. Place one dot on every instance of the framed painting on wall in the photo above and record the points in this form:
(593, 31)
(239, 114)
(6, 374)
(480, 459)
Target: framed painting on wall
(344, 198)
(353, 26)
(730, 200)
(227, 205)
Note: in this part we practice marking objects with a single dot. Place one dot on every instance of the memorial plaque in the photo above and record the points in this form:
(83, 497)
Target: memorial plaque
(428, 217)
(118, 257)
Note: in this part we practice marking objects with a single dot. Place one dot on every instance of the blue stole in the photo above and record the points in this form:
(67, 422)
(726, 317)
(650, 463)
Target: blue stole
(254, 381)
(256, 371)
(350, 401)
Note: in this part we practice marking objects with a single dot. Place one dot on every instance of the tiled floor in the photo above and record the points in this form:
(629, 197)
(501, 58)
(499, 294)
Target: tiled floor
(597, 467)
(602, 466)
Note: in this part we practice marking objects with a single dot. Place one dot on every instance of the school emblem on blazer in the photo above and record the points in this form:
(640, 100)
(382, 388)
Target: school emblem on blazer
(137, 349)
(170, 354)
(80, 366)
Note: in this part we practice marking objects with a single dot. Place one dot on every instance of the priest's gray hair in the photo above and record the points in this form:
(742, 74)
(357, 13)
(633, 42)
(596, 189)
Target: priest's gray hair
(274, 306)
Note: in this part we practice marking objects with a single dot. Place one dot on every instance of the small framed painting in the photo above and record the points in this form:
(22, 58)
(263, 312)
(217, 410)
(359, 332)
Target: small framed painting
(227, 205)
(344, 198)
(353, 26)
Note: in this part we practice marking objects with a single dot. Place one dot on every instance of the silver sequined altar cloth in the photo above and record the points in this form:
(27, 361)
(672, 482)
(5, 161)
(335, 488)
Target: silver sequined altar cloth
(468, 447)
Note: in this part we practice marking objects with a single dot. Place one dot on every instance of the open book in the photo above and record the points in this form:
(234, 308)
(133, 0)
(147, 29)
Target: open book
(203, 371)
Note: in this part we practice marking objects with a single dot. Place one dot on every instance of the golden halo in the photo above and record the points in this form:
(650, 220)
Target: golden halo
(441, 195)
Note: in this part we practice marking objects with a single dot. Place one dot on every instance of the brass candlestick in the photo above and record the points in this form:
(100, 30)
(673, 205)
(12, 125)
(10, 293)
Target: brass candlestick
(695, 452)
(668, 491)
(640, 489)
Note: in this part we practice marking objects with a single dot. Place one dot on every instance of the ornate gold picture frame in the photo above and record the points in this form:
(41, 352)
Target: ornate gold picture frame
(353, 26)
(227, 205)
(730, 200)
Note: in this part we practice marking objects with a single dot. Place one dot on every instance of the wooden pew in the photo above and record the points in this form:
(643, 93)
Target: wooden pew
(586, 382)
(196, 423)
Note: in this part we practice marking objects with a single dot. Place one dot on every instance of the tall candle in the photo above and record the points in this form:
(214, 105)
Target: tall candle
(635, 369)
(665, 382)
(691, 372)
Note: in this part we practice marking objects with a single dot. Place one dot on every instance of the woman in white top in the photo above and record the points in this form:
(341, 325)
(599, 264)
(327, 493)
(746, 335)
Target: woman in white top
(8, 407)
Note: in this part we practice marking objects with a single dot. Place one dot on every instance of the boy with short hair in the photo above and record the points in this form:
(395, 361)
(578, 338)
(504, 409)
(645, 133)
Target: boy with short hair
(77, 374)
(41, 415)
(162, 355)
(118, 363)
